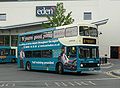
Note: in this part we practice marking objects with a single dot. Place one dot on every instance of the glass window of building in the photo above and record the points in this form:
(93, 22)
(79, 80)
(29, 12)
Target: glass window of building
(4, 40)
(87, 15)
(14, 40)
(2, 17)
(1, 40)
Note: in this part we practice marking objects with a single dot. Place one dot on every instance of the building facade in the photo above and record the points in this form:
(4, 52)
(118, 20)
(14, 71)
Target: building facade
(22, 16)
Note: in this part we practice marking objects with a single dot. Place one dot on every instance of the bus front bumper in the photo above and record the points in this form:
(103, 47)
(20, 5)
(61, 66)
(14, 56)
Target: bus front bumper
(90, 69)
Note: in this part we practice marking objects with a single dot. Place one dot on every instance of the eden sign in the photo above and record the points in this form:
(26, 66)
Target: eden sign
(45, 10)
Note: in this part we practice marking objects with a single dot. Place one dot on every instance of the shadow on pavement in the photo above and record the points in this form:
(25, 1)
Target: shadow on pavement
(65, 73)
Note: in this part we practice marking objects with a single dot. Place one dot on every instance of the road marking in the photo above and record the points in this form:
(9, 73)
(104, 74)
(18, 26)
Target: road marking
(110, 74)
(6, 84)
(92, 83)
(71, 83)
(84, 83)
(34, 81)
(77, 83)
(57, 83)
(107, 67)
(13, 84)
(64, 84)
(2, 85)
(97, 79)
(46, 84)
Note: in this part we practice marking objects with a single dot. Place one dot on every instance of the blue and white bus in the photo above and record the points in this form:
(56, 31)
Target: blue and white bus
(8, 54)
(41, 49)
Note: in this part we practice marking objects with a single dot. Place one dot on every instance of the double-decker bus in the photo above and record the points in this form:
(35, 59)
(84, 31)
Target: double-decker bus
(8, 54)
(43, 49)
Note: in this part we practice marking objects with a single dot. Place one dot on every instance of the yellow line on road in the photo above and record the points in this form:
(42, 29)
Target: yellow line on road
(110, 74)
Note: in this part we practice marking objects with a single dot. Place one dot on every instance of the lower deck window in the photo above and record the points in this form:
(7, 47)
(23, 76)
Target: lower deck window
(38, 54)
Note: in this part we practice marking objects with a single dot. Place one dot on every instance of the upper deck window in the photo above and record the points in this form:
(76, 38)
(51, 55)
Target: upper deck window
(88, 31)
(93, 32)
(47, 35)
(71, 31)
(38, 36)
(28, 37)
(59, 33)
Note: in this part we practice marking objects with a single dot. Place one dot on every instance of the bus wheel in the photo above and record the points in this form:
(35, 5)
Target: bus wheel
(13, 61)
(59, 68)
(79, 73)
(28, 66)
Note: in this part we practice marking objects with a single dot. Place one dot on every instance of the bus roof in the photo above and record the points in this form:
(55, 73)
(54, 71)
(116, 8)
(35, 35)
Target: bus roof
(55, 28)
(37, 31)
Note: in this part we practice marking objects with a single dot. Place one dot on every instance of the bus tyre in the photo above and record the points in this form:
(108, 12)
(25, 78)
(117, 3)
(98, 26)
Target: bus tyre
(28, 66)
(79, 73)
(13, 61)
(59, 68)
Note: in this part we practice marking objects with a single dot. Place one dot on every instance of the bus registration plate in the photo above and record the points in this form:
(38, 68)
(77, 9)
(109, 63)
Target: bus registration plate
(91, 69)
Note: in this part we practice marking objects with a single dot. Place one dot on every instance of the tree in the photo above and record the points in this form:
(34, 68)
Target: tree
(59, 18)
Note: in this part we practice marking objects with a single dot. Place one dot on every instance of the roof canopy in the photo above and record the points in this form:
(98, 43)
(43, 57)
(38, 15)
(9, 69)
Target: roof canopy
(23, 25)
(101, 22)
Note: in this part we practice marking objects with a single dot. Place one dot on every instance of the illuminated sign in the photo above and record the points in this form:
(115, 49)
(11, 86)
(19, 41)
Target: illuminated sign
(89, 41)
(45, 10)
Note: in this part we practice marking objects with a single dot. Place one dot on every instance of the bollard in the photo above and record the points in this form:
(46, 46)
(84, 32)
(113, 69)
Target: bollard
(102, 60)
(105, 59)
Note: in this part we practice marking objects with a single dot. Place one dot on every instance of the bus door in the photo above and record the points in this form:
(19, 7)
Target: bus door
(12, 55)
(72, 56)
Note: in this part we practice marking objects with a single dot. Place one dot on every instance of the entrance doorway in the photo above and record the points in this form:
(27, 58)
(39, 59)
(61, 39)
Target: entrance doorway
(114, 52)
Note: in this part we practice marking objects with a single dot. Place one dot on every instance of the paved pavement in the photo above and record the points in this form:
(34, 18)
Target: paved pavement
(106, 64)
(12, 77)
(115, 72)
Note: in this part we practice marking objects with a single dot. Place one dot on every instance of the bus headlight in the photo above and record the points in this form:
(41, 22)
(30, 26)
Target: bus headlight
(98, 64)
(81, 65)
